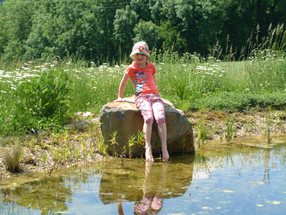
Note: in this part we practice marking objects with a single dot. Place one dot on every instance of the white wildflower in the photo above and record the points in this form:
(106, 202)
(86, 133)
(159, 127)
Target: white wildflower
(13, 87)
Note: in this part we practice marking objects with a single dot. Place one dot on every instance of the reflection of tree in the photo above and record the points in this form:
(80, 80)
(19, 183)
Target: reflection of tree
(48, 195)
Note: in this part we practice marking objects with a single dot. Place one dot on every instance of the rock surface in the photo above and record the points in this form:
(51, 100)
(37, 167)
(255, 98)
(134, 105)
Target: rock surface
(122, 123)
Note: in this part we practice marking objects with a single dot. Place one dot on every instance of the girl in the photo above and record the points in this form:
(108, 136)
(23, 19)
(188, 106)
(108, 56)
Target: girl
(147, 98)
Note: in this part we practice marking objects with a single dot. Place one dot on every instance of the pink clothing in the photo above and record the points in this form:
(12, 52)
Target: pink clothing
(143, 78)
(151, 106)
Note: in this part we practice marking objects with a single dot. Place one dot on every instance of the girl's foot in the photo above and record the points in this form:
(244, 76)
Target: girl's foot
(157, 203)
(165, 154)
(143, 205)
(148, 154)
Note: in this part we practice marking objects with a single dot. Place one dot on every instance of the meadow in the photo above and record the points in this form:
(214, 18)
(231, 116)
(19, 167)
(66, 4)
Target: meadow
(46, 95)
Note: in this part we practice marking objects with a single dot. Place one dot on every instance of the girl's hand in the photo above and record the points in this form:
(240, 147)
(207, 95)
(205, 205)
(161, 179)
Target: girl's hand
(120, 99)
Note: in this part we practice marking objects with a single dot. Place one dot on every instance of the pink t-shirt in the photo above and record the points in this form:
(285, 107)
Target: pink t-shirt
(143, 78)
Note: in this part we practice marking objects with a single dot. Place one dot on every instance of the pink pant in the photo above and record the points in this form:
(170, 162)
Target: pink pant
(151, 106)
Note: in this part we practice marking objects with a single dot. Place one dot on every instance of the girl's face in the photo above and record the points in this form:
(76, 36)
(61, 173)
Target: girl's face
(140, 59)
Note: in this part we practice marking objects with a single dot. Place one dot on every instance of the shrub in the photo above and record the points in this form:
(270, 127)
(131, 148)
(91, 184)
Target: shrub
(42, 102)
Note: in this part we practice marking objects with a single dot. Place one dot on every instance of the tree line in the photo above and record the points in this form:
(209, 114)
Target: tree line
(105, 30)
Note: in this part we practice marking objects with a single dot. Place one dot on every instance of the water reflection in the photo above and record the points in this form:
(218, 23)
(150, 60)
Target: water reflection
(146, 184)
(236, 182)
(154, 188)
(106, 184)
(48, 195)
(266, 176)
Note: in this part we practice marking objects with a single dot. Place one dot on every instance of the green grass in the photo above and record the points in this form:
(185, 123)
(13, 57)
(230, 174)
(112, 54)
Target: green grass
(228, 86)
(189, 82)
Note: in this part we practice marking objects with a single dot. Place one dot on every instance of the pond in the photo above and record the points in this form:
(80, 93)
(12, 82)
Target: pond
(240, 180)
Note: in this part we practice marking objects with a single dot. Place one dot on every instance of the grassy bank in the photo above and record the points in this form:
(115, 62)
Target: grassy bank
(82, 143)
(36, 96)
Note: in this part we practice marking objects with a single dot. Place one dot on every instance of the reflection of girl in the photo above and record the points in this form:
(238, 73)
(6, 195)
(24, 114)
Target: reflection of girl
(153, 190)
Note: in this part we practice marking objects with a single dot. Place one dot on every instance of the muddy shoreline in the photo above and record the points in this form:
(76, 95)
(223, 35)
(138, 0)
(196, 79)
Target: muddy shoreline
(77, 146)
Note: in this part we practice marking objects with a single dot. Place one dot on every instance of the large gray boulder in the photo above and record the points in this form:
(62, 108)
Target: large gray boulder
(122, 123)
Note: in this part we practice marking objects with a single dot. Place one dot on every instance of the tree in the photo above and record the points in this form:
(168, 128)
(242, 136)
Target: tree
(124, 22)
(172, 41)
(149, 32)
(103, 30)
(16, 22)
(64, 28)
(141, 8)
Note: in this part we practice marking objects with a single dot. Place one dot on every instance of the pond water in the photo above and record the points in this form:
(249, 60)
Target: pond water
(237, 181)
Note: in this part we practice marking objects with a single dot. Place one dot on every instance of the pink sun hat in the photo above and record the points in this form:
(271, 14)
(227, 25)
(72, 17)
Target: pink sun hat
(140, 48)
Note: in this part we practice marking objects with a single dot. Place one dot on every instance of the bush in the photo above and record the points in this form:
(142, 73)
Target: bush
(42, 102)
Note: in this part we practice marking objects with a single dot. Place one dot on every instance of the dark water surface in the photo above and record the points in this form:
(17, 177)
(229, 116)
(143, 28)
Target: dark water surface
(236, 181)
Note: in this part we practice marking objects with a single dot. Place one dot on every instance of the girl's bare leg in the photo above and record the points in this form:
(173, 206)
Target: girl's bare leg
(162, 130)
(147, 129)
(159, 114)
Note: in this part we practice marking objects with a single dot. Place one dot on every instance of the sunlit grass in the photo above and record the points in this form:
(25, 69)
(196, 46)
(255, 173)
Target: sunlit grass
(189, 82)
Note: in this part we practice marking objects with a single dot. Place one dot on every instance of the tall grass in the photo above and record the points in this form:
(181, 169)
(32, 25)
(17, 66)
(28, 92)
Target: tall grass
(189, 81)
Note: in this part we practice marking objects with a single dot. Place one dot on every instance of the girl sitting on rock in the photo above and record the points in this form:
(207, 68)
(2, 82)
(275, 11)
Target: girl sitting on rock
(147, 98)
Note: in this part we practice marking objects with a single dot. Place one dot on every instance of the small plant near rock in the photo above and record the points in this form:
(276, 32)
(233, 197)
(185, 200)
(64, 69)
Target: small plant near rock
(131, 143)
(229, 130)
(114, 143)
(12, 159)
(101, 146)
(140, 138)
(268, 125)
(202, 134)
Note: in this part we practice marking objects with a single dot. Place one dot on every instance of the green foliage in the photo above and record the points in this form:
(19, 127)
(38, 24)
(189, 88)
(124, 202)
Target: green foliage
(113, 143)
(35, 97)
(16, 23)
(124, 22)
(131, 143)
(147, 31)
(64, 28)
(172, 39)
(104, 30)
(141, 8)
(42, 102)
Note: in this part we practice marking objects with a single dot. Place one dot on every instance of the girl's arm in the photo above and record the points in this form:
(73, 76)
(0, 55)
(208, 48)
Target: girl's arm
(121, 88)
